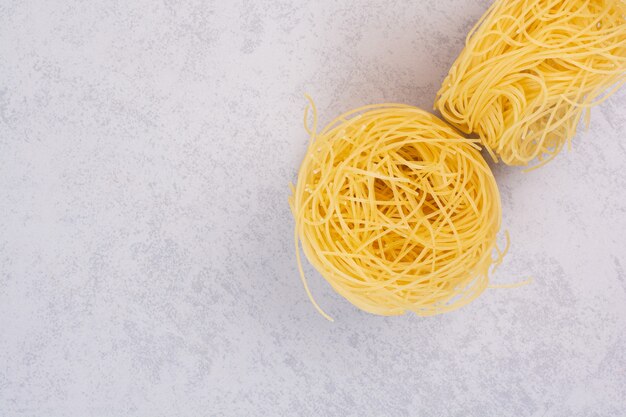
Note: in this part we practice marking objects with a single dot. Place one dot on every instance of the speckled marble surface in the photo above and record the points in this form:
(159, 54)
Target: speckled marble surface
(146, 262)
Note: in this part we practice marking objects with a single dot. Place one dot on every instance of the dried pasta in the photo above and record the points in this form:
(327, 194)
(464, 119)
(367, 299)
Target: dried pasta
(397, 211)
(528, 71)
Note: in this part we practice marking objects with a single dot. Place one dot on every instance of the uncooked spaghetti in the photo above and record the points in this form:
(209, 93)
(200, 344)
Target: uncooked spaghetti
(397, 211)
(528, 71)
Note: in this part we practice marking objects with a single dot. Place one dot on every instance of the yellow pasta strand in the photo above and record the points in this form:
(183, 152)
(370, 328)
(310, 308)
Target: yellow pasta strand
(528, 71)
(397, 211)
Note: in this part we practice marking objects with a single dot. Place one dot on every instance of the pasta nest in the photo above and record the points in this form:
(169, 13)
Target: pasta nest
(397, 211)
(528, 71)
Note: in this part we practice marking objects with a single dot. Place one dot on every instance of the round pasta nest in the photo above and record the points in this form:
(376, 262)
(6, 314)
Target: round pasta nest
(397, 211)
(528, 71)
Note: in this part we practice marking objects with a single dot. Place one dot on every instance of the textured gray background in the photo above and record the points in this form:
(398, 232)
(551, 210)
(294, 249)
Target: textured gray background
(146, 250)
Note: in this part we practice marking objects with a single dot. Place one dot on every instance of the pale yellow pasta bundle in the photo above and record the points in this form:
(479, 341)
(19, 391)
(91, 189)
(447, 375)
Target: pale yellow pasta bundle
(397, 211)
(529, 69)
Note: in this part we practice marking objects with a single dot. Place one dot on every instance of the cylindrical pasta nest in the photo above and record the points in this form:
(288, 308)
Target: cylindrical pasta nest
(397, 211)
(528, 71)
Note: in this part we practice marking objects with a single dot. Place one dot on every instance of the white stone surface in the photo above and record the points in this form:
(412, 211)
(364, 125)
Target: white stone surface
(146, 261)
